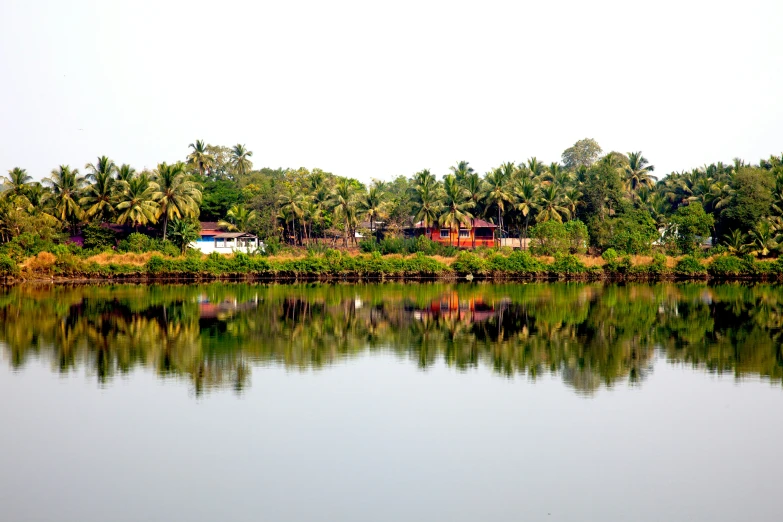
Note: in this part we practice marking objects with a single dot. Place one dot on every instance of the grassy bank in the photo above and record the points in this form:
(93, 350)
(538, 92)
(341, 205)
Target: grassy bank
(336, 265)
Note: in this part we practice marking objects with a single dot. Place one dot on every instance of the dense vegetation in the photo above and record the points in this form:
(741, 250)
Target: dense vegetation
(592, 335)
(588, 202)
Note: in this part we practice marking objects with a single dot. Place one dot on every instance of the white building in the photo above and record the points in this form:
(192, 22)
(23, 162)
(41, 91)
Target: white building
(214, 240)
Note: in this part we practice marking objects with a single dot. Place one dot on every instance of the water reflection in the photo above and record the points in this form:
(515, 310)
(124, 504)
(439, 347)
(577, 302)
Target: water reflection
(591, 335)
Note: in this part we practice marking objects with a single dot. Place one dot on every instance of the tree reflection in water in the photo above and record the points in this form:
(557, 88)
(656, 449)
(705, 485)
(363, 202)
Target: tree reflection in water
(592, 335)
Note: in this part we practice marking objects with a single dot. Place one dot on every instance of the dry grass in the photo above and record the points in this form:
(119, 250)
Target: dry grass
(43, 262)
(591, 261)
(127, 258)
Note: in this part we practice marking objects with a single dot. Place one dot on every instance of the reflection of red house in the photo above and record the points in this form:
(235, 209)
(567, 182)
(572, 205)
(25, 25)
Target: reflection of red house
(482, 231)
(449, 306)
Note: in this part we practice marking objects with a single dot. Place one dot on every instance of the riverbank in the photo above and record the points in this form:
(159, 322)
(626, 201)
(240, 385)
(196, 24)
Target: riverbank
(334, 265)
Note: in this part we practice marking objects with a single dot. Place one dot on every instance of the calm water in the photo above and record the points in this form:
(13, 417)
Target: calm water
(391, 402)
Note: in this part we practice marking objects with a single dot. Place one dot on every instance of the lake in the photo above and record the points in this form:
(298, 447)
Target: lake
(391, 402)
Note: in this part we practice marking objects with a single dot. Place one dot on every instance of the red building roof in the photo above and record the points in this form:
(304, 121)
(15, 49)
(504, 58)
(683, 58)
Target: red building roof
(477, 223)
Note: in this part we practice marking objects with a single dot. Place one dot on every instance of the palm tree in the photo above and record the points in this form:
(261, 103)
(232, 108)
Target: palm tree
(240, 159)
(99, 196)
(292, 202)
(17, 180)
(475, 192)
(497, 193)
(103, 166)
(551, 205)
(764, 239)
(125, 172)
(66, 185)
(200, 158)
(526, 193)
(535, 167)
(183, 232)
(461, 170)
(637, 173)
(372, 205)
(455, 206)
(735, 242)
(342, 203)
(137, 203)
(238, 219)
(177, 196)
(427, 206)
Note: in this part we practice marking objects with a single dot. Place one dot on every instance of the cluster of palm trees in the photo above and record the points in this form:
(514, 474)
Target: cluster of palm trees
(524, 193)
(109, 193)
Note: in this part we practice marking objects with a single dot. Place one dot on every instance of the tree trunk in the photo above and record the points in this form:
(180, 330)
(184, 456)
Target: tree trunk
(473, 231)
(345, 233)
(500, 229)
(165, 224)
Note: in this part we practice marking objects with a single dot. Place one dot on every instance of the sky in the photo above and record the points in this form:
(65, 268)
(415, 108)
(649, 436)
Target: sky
(373, 90)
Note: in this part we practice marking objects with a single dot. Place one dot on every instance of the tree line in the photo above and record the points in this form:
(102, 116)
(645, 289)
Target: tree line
(615, 195)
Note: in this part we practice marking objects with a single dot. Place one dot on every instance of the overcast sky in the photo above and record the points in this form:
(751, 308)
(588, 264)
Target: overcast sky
(374, 90)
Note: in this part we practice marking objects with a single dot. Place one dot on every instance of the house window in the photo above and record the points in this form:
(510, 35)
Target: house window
(484, 233)
(444, 232)
(464, 233)
(220, 243)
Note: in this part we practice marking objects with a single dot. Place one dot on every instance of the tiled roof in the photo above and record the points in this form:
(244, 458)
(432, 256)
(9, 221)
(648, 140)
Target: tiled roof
(477, 223)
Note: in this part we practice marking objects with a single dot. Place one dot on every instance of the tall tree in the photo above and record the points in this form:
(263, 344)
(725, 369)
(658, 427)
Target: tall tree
(551, 204)
(455, 206)
(177, 196)
(342, 202)
(427, 205)
(99, 196)
(637, 173)
(137, 204)
(497, 193)
(372, 204)
(461, 170)
(526, 196)
(200, 158)
(240, 159)
(125, 172)
(66, 185)
(583, 153)
(16, 181)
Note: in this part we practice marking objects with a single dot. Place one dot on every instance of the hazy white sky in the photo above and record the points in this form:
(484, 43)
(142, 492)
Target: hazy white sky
(373, 90)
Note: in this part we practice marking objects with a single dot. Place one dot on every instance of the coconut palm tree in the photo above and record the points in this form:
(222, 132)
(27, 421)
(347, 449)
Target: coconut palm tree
(461, 170)
(455, 206)
(292, 201)
(496, 192)
(238, 219)
(103, 166)
(99, 196)
(765, 239)
(342, 203)
(182, 232)
(16, 181)
(526, 196)
(735, 241)
(177, 195)
(551, 204)
(200, 158)
(535, 168)
(637, 173)
(66, 186)
(373, 206)
(474, 190)
(125, 172)
(240, 159)
(427, 205)
(136, 201)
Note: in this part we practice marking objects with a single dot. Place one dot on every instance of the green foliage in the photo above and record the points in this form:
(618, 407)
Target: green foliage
(577, 235)
(689, 266)
(632, 233)
(752, 198)
(140, 243)
(726, 266)
(421, 244)
(8, 266)
(516, 263)
(568, 265)
(469, 263)
(549, 238)
(688, 227)
(98, 237)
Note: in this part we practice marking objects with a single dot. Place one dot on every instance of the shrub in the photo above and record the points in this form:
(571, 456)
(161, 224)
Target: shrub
(577, 235)
(724, 266)
(8, 266)
(42, 263)
(689, 266)
(469, 263)
(688, 226)
(98, 237)
(549, 238)
(568, 264)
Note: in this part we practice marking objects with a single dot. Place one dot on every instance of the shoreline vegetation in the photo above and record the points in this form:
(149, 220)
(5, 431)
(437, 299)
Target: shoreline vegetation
(334, 266)
(590, 216)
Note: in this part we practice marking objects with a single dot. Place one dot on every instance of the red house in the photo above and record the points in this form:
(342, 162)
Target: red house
(483, 232)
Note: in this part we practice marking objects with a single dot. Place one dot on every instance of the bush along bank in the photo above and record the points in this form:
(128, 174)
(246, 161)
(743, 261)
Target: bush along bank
(335, 265)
